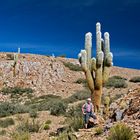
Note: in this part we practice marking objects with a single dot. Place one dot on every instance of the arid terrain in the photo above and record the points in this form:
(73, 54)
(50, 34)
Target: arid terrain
(46, 75)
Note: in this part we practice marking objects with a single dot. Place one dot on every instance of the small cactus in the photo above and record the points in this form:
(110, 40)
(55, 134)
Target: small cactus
(106, 105)
(96, 69)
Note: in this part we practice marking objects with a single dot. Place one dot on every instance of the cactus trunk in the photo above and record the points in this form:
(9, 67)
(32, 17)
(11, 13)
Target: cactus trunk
(96, 98)
(15, 62)
(96, 69)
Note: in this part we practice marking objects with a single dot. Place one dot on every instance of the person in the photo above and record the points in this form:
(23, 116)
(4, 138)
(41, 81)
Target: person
(88, 111)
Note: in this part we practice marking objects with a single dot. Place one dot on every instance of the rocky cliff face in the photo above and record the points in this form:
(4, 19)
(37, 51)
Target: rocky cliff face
(46, 75)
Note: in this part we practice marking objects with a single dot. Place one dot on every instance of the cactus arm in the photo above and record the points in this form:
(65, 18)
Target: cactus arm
(99, 57)
(108, 58)
(88, 73)
(88, 47)
(83, 60)
(93, 64)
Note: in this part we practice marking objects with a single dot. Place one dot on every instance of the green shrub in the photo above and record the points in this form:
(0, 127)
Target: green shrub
(47, 105)
(75, 123)
(53, 103)
(20, 135)
(48, 122)
(118, 77)
(79, 95)
(81, 81)
(16, 90)
(115, 97)
(116, 82)
(121, 132)
(6, 122)
(27, 126)
(58, 107)
(74, 117)
(49, 97)
(46, 127)
(74, 111)
(73, 67)
(7, 109)
(98, 131)
(3, 132)
(33, 114)
(43, 99)
(135, 79)
(65, 136)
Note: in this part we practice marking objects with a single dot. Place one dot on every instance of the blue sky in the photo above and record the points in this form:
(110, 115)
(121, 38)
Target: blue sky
(59, 26)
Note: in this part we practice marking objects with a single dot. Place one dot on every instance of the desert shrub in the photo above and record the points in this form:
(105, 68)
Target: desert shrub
(16, 90)
(43, 99)
(98, 131)
(33, 113)
(135, 79)
(21, 135)
(6, 122)
(75, 123)
(49, 97)
(74, 111)
(27, 126)
(10, 56)
(79, 95)
(65, 136)
(48, 122)
(3, 132)
(74, 117)
(58, 107)
(46, 127)
(45, 102)
(73, 67)
(116, 82)
(62, 55)
(121, 132)
(7, 109)
(81, 81)
(118, 77)
(115, 97)
(106, 100)
(21, 109)
(53, 103)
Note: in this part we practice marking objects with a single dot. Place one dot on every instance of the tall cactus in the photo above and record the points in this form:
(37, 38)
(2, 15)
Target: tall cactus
(96, 69)
(16, 55)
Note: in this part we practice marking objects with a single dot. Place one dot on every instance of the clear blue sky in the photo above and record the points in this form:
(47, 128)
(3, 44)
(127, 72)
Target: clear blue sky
(59, 26)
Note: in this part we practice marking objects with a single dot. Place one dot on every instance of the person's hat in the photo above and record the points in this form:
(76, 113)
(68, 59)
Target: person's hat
(88, 99)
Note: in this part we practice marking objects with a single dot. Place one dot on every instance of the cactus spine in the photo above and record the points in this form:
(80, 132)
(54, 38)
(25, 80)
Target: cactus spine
(96, 69)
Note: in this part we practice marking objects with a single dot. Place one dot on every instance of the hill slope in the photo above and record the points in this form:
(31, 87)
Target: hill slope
(47, 75)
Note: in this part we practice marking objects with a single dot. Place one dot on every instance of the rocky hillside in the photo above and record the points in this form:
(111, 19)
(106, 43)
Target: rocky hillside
(48, 75)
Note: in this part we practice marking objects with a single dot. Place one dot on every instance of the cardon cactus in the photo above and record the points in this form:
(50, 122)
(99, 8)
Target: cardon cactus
(16, 55)
(96, 69)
